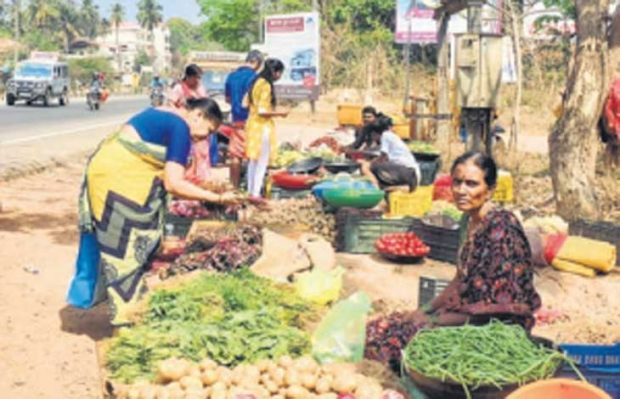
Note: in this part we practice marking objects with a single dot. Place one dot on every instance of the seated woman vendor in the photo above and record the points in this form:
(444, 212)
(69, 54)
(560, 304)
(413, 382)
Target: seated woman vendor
(494, 277)
(396, 166)
(123, 196)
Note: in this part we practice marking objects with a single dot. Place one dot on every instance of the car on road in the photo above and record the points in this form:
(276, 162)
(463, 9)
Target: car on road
(39, 80)
(214, 81)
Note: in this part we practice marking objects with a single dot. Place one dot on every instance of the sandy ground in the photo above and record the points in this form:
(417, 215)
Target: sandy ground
(47, 350)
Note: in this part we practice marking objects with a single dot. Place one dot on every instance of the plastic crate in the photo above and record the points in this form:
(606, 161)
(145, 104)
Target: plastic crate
(282, 193)
(429, 288)
(603, 231)
(444, 242)
(429, 170)
(414, 204)
(504, 190)
(357, 231)
(599, 364)
(349, 114)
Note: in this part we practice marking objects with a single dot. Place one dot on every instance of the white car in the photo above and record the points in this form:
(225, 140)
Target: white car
(39, 80)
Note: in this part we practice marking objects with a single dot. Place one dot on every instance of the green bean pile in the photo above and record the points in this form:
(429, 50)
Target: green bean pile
(493, 355)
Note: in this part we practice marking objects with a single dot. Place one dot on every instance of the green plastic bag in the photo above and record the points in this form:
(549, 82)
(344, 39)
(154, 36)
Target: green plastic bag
(341, 335)
(320, 286)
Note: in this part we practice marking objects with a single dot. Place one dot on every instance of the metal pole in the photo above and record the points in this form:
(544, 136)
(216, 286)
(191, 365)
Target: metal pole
(16, 16)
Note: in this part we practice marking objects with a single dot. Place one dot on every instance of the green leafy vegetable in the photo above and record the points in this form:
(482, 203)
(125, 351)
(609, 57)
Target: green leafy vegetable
(230, 318)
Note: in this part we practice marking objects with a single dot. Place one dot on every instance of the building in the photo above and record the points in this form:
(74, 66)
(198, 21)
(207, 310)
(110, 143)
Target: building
(132, 41)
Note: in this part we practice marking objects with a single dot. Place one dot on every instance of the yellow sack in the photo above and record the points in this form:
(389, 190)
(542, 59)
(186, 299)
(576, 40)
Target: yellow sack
(320, 286)
(567, 266)
(595, 254)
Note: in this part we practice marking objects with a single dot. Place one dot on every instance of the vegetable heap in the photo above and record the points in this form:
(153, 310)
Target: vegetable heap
(402, 244)
(301, 213)
(423, 147)
(230, 318)
(492, 355)
(330, 142)
(221, 250)
(387, 336)
(285, 378)
(445, 208)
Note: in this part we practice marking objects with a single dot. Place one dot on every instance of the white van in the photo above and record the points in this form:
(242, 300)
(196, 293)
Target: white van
(39, 80)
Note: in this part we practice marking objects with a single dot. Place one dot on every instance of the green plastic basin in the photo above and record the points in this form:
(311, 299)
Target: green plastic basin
(353, 198)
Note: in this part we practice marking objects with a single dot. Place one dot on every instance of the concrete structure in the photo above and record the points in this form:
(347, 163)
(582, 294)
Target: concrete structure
(132, 40)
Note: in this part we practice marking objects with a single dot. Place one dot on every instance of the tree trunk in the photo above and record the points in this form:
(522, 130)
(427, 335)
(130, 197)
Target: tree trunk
(516, 17)
(614, 42)
(573, 140)
(443, 84)
(118, 53)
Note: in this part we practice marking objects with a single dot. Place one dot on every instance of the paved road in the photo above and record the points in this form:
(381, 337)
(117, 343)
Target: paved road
(22, 123)
(35, 138)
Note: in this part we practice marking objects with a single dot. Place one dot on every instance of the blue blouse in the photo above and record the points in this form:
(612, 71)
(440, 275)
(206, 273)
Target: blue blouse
(166, 129)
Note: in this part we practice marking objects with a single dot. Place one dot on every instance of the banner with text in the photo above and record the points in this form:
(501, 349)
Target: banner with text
(295, 40)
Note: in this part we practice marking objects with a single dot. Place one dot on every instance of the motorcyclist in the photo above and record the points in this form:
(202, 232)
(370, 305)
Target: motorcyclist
(95, 84)
(157, 84)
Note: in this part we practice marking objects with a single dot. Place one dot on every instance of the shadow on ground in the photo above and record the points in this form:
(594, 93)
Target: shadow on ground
(94, 323)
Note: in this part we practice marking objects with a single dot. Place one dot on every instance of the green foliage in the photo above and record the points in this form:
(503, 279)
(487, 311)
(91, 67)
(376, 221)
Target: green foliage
(117, 15)
(40, 40)
(234, 23)
(149, 14)
(82, 69)
(184, 36)
(141, 59)
(364, 15)
(566, 7)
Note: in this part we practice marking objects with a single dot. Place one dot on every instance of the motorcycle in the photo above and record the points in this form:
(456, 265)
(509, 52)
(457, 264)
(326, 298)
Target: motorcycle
(157, 96)
(93, 99)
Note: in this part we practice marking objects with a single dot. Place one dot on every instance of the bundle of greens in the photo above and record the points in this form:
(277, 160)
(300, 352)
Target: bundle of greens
(493, 355)
(230, 318)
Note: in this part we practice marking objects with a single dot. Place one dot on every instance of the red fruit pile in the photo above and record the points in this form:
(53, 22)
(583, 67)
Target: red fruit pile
(402, 244)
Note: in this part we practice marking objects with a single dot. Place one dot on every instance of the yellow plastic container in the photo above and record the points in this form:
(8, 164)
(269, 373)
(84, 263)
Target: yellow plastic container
(402, 130)
(349, 114)
(504, 190)
(414, 204)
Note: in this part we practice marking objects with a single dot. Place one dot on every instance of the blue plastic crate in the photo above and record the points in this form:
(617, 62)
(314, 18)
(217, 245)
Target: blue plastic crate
(599, 364)
(603, 358)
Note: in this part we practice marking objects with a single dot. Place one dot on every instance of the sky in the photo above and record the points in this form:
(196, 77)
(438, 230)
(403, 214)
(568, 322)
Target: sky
(187, 9)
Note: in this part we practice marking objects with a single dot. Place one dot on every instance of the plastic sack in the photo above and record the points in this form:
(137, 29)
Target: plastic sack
(83, 291)
(320, 286)
(341, 335)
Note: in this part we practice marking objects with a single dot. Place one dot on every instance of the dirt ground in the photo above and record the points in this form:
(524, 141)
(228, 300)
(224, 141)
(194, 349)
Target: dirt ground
(47, 350)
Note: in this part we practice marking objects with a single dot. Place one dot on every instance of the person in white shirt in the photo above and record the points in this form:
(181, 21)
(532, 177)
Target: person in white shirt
(396, 166)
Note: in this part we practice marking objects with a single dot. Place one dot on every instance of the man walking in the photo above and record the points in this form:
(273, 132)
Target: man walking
(237, 85)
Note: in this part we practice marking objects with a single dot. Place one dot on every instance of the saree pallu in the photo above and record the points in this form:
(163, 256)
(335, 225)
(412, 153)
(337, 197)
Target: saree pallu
(122, 203)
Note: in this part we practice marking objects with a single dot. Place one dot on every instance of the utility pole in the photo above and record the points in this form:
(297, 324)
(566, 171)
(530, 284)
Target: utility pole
(16, 7)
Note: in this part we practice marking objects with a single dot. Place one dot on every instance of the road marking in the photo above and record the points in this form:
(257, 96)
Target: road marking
(62, 133)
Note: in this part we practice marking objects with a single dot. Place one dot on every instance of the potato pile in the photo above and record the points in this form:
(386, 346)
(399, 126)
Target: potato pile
(285, 378)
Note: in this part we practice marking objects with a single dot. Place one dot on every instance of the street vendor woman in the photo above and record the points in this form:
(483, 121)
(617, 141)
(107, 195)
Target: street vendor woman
(122, 200)
(494, 278)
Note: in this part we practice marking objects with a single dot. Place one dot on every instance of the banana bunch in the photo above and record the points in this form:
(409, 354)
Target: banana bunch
(286, 157)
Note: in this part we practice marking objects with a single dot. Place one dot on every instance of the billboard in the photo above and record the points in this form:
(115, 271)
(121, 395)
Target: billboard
(415, 23)
(295, 40)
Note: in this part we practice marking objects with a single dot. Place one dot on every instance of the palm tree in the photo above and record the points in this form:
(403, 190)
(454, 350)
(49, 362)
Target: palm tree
(89, 19)
(42, 13)
(149, 16)
(69, 21)
(118, 13)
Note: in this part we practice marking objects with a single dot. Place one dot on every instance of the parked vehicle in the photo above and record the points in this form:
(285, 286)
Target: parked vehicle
(39, 80)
